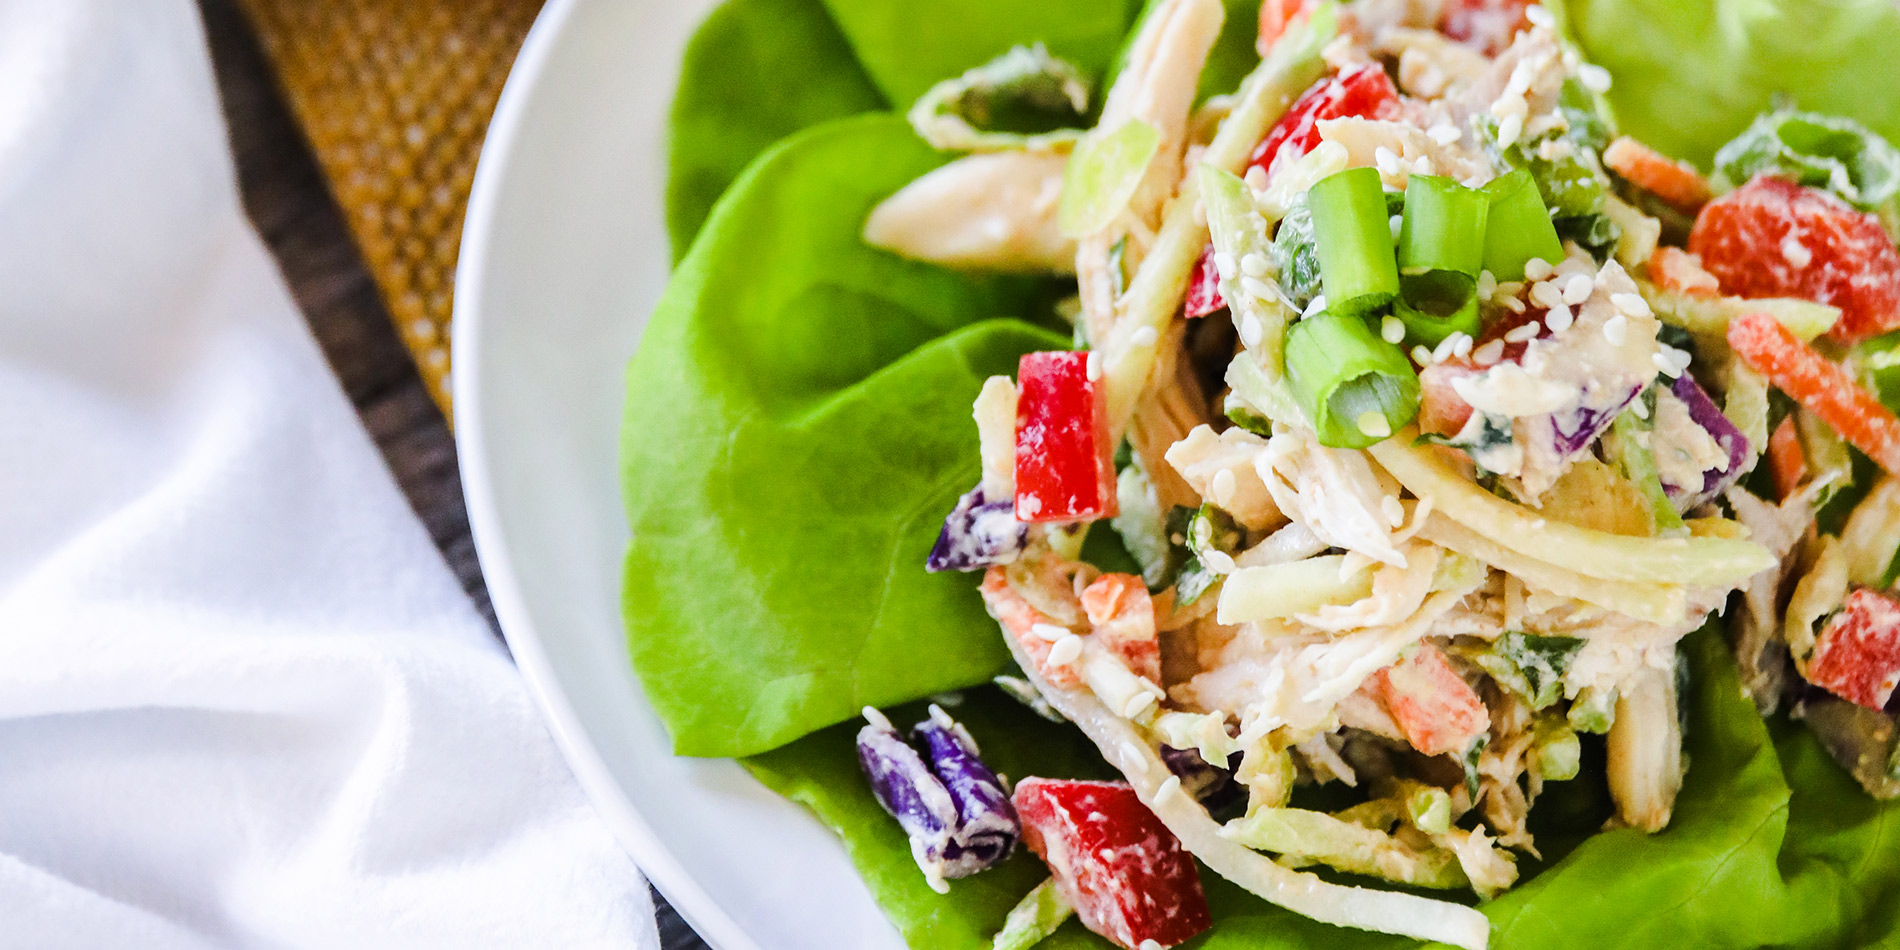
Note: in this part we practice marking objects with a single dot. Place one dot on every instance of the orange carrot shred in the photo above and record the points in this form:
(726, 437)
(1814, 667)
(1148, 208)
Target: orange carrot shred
(1819, 384)
(1672, 181)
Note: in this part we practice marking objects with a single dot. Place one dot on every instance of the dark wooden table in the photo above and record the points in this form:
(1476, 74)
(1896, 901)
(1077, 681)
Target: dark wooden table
(289, 202)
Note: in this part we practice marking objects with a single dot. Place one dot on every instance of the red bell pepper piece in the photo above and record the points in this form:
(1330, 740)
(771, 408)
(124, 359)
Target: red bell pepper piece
(1435, 708)
(1774, 238)
(1857, 656)
(1819, 384)
(1364, 92)
(1064, 468)
(1114, 861)
(1203, 293)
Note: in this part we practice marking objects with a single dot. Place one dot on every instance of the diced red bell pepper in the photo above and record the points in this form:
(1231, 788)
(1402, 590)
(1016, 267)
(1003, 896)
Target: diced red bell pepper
(1485, 25)
(1435, 708)
(1681, 186)
(1774, 238)
(1818, 384)
(1116, 863)
(1064, 468)
(1019, 619)
(1123, 615)
(1441, 411)
(1203, 293)
(1857, 656)
(1786, 461)
(1364, 92)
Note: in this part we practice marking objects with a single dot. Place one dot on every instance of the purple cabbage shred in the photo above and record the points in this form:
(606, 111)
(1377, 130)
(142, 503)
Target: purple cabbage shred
(953, 808)
(978, 533)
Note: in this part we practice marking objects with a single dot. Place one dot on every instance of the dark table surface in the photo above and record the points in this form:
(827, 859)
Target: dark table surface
(290, 204)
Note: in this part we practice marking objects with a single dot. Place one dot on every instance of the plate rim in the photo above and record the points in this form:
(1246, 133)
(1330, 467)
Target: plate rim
(629, 827)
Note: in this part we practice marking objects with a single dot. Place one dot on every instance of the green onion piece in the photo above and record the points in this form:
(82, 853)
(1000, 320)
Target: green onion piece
(1518, 228)
(1627, 447)
(1034, 919)
(1443, 227)
(1436, 305)
(1357, 265)
(1355, 387)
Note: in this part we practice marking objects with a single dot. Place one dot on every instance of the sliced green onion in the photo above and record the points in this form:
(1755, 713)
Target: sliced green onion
(1238, 231)
(1102, 175)
(1441, 249)
(1357, 264)
(1628, 449)
(1355, 387)
(1518, 228)
(1034, 918)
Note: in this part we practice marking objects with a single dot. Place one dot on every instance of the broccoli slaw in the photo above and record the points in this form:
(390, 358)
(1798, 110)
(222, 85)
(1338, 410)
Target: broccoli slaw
(1433, 415)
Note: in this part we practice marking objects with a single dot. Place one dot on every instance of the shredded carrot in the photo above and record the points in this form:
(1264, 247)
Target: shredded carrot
(1819, 384)
(1672, 181)
(1678, 271)
(1786, 461)
(1276, 16)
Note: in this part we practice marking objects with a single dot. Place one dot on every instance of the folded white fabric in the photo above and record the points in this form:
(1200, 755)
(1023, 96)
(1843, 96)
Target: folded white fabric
(242, 701)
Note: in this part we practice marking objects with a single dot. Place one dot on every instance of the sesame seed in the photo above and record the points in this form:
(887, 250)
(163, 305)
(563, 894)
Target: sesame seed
(1094, 365)
(1421, 355)
(1387, 162)
(1489, 353)
(1632, 304)
(1250, 330)
(1257, 288)
(1170, 787)
(1143, 336)
(1392, 329)
(1509, 128)
(1462, 348)
(1578, 288)
(1513, 304)
(1522, 334)
(1373, 423)
(1393, 511)
(1224, 265)
(1445, 347)
(1640, 408)
(1545, 293)
(1049, 631)
(1424, 166)
(1538, 269)
(1616, 330)
(1444, 133)
(1065, 651)
(1256, 178)
(1253, 265)
(1665, 365)
(1594, 78)
(1558, 319)
(1487, 285)
(876, 718)
(1221, 486)
(1139, 703)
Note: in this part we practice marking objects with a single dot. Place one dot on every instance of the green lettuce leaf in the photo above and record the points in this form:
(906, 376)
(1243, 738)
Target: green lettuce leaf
(798, 422)
(755, 72)
(1692, 74)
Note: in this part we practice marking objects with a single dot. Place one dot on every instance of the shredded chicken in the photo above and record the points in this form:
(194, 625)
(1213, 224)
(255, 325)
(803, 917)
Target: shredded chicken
(1333, 492)
(992, 212)
(1221, 469)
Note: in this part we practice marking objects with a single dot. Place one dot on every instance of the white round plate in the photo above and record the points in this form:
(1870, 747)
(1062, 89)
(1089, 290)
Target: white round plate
(563, 256)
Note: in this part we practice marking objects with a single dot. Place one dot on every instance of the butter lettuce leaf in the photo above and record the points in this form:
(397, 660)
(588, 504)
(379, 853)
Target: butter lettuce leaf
(797, 424)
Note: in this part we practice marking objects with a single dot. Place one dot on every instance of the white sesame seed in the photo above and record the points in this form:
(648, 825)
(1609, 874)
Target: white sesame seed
(876, 718)
(1509, 128)
(1424, 166)
(1373, 423)
(1616, 329)
(1221, 487)
(1444, 133)
(1253, 265)
(1577, 289)
(1387, 162)
(1523, 333)
(1632, 304)
(1487, 285)
(1546, 293)
(1224, 265)
(1489, 353)
(1049, 631)
(1256, 178)
(1594, 78)
(1065, 651)
(1256, 287)
(1094, 365)
(1538, 269)
(1640, 408)
(1170, 787)
(1391, 329)
(1143, 336)
(1250, 330)
(1513, 304)
(1462, 348)
(1393, 511)
(1421, 355)
(1443, 350)
(1138, 704)
(1665, 365)
(1559, 319)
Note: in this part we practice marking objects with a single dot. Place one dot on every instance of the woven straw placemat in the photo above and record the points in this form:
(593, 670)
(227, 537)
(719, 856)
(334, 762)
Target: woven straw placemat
(394, 96)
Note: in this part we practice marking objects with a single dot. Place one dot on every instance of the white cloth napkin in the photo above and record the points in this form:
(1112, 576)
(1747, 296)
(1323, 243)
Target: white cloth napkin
(242, 701)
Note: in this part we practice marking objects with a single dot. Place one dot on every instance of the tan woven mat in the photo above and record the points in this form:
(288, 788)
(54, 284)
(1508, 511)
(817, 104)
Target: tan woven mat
(394, 96)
